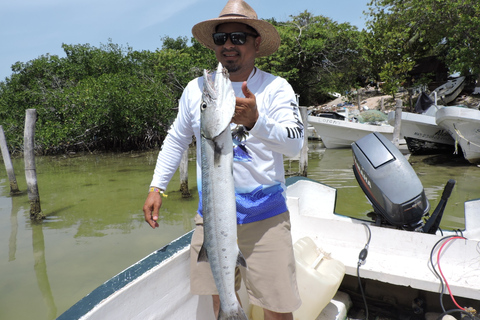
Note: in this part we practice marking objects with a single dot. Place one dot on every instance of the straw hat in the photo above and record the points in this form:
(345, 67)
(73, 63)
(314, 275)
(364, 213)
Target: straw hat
(239, 11)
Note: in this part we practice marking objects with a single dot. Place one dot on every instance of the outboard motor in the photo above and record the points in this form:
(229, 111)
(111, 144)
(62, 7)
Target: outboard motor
(392, 186)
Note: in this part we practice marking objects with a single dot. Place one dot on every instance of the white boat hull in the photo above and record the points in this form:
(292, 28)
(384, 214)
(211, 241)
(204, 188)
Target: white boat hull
(157, 287)
(449, 91)
(422, 127)
(337, 134)
(422, 133)
(397, 257)
(140, 292)
(463, 124)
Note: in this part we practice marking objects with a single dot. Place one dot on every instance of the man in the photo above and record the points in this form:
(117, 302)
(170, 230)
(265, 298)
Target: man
(270, 126)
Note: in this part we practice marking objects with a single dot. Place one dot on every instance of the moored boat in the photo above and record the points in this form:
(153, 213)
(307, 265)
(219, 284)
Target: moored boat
(340, 133)
(448, 91)
(463, 124)
(422, 134)
(396, 268)
(397, 272)
(312, 132)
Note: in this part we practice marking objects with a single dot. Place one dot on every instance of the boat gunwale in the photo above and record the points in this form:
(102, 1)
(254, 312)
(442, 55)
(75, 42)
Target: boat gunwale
(126, 277)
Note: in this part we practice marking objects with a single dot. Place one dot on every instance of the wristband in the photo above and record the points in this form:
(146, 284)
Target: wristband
(155, 189)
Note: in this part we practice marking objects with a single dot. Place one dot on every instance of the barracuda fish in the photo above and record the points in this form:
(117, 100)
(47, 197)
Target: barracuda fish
(218, 193)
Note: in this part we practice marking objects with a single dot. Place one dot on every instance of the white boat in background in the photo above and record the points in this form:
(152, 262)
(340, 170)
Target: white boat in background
(422, 134)
(463, 124)
(312, 132)
(398, 273)
(337, 134)
(449, 91)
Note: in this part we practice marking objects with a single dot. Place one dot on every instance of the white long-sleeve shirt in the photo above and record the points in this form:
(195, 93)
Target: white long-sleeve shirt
(258, 167)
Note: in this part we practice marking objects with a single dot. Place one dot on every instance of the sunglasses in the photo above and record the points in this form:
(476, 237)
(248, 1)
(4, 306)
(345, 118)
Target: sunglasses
(237, 38)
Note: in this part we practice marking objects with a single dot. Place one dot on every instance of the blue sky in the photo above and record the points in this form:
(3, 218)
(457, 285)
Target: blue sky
(31, 28)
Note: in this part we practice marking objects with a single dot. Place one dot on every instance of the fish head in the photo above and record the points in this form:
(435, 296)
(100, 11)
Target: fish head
(218, 103)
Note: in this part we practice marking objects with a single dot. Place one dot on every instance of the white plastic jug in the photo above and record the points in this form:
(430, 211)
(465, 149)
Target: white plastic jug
(318, 279)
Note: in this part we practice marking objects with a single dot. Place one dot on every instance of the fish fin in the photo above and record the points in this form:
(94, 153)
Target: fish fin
(239, 315)
(241, 260)
(202, 255)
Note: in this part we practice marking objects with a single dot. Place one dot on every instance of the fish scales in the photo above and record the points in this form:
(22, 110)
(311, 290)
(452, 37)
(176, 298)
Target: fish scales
(218, 192)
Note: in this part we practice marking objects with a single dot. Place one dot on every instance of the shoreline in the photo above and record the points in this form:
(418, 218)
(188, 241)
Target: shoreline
(371, 99)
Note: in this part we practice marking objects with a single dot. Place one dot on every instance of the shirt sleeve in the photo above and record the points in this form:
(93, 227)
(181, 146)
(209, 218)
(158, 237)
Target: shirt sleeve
(279, 125)
(177, 141)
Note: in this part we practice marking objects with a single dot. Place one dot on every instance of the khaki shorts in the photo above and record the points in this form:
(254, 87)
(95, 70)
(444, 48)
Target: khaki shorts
(270, 276)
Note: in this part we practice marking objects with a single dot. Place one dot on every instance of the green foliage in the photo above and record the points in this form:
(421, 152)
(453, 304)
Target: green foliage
(394, 75)
(107, 98)
(317, 56)
(178, 64)
(96, 98)
(421, 28)
(114, 98)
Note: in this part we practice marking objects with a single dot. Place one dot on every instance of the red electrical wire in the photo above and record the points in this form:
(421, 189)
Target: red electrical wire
(440, 269)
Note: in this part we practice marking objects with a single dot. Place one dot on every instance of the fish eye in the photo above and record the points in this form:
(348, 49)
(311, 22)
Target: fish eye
(203, 106)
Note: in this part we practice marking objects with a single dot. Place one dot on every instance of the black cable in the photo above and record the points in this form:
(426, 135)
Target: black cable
(363, 254)
(437, 274)
(445, 312)
(361, 260)
(361, 290)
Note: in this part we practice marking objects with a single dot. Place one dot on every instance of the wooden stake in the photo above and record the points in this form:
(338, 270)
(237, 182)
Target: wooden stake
(8, 163)
(398, 122)
(359, 100)
(304, 152)
(30, 170)
(184, 175)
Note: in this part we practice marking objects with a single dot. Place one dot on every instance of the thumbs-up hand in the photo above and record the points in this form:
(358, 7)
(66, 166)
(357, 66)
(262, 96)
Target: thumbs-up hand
(246, 112)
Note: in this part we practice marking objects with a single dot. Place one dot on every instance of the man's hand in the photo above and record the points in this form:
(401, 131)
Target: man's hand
(151, 207)
(246, 112)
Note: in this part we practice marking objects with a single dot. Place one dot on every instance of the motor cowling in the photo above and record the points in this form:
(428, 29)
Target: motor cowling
(389, 182)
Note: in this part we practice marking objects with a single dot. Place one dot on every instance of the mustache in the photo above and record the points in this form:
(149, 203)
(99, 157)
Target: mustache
(230, 50)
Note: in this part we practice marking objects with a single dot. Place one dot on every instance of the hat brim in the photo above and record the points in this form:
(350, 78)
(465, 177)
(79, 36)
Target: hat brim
(203, 31)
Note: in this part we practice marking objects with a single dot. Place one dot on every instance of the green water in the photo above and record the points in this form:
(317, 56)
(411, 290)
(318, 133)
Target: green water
(334, 167)
(95, 228)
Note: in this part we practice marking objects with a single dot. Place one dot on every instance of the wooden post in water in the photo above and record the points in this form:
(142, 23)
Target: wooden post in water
(30, 170)
(184, 175)
(410, 98)
(304, 152)
(398, 122)
(359, 99)
(8, 163)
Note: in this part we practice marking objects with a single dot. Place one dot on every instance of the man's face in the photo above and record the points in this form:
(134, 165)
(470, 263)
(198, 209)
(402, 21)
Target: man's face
(238, 59)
